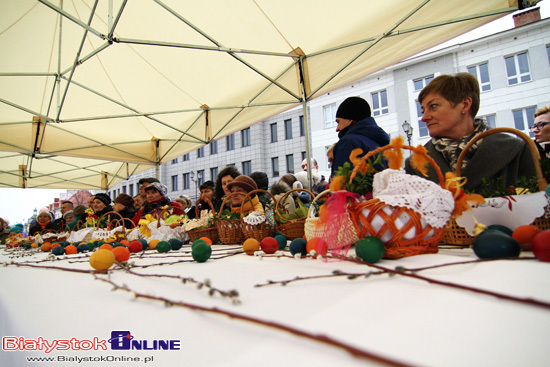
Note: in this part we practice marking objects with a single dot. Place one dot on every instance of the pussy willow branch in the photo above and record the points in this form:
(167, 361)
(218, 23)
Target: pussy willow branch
(356, 352)
(404, 272)
(336, 273)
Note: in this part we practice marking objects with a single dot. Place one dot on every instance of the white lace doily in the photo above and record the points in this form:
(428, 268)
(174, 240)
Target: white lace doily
(397, 188)
(254, 218)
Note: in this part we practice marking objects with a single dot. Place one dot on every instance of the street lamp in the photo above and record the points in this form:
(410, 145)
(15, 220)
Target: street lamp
(408, 129)
(195, 181)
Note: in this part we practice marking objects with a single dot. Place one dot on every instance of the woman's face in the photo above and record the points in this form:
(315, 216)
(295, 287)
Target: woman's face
(69, 218)
(225, 180)
(542, 128)
(238, 199)
(118, 207)
(442, 118)
(138, 202)
(208, 193)
(153, 195)
(98, 205)
(43, 218)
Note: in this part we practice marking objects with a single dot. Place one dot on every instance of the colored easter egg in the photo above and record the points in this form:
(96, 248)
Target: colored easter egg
(201, 252)
(135, 246)
(58, 250)
(207, 240)
(106, 246)
(298, 246)
(370, 249)
(541, 245)
(102, 259)
(318, 245)
(198, 240)
(163, 246)
(492, 244)
(501, 228)
(269, 245)
(83, 248)
(251, 245)
(282, 240)
(121, 253)
(70, 250)
(175, 243)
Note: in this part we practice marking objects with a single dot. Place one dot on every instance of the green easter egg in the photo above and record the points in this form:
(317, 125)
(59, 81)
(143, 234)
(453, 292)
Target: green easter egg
(163, 246)
(201, 252)
(370, 249)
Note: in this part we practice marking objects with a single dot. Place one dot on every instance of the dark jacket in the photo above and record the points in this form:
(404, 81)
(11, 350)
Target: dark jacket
(498, 155)
(128, 214)
(38, 229)
(364, 134)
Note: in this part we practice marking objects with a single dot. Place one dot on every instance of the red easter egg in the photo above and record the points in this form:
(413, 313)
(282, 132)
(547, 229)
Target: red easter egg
(318, 245)
(269, 245)
(135, 246)
(541, 245)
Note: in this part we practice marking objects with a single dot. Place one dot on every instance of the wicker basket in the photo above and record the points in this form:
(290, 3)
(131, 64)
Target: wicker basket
(229, 230)
(425, 239)
(455, 234)
(113, 220)
(209, 232)
(346, 234)
(257, 231)
(291, 228)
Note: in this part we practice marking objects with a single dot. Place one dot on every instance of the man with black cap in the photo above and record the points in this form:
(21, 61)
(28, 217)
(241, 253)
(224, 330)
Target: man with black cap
(356, 129)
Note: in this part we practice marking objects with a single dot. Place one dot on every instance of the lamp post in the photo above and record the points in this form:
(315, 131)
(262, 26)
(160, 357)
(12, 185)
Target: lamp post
(408, 129)
(195, 181)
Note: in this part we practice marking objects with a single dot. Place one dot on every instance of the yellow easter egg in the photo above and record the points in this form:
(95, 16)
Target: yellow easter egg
(102, 259)
(251, 245)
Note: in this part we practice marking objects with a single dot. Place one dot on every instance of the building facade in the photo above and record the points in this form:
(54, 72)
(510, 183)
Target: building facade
(513, 68)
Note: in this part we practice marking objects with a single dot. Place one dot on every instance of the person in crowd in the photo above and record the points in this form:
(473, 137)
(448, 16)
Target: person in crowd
(330, 154)
(450, 104)
(542, 131)
(143, 183)
(68, 217)
(313, 164)
(302, 177)
(60, 223)
(138, 202)
(262, 181)
(90, 201)
(286, 183)
(79, 216)
(101, 204)
(206, 191)
(4, 230)
(124, 205)
(187, 206)
(225, 176)
(243, 185)
(43, 223)
(321, 186)
(156, 200)
(356, 129)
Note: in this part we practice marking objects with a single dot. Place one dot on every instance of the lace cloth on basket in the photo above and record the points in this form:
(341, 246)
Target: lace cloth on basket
(431, 201)
(254, 218)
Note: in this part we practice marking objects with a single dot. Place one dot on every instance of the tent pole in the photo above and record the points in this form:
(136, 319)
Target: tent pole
(306, 119)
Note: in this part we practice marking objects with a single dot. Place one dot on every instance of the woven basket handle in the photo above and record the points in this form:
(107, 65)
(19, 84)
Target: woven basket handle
(284, 196)
(310, 209)
(413, 149)
(248, 197)
(109, 219)
(225, 199)
(208, 202)
(541, 181)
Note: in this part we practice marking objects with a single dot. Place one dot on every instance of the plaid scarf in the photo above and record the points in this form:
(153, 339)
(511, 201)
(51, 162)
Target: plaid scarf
(451, 148)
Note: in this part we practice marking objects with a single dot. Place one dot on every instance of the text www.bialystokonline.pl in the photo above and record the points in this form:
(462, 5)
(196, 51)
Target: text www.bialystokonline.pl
(77, 359)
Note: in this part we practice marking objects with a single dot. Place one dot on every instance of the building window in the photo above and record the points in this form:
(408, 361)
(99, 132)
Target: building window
(131, 190)
(523, 119)
(247, 168)
(214, 147)
(302, 126)
(200, 152)
(420, 83)
(329, 113)
(186, 181)
(379, 103)
(517, 68)
(124, 189)
(200, 177)
(288, 129)
(290, 163)
(174, 161)
(481, 72)
(275, 166)
(213, 173)
(422, 128)
(174, 183)
(490, 119)
(548, 53)
(273, 128)
(304, 155)
(245, 137)
(186, 157)
(230, 140)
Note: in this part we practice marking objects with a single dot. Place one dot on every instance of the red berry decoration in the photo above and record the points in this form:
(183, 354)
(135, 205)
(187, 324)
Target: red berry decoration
(269, 245)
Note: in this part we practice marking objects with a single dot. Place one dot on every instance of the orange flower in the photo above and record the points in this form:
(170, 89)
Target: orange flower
(462, 200)
(395, 155)
(337, 183)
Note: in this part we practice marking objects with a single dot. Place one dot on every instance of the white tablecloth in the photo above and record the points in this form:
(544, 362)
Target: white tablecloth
(397, 317)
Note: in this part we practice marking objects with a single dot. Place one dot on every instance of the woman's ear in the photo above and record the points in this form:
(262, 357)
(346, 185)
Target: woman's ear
(467, 104)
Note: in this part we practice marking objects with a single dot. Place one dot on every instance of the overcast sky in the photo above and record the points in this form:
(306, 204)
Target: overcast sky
(16, 205)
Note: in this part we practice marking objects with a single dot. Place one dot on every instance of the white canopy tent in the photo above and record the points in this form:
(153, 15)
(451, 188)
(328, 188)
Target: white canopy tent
(93, 91)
